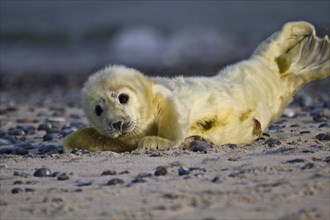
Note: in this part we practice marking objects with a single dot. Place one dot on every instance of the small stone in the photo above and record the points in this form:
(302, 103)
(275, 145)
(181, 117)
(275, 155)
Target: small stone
(144, 175)
(16, 190)
(231, 146)
(200, 175)
(74, 116)
(324, 125)
(124, 172)
(298, 160)
(304, 132)
(62, 177)
(16, 132)
(155, 154)
(216, 180)
(18, 182)
(108, 173)
(45, 126)
(55, 174)
(288, 112)
(323, 136)
(4, 142)
(84, 182)
(49, 136)
(26, 146)
(53, 130)
(139, 180)
(308, 166)
(77, 125)
(115, 181)
(68, 131)
(160, 171)
(29, 130)
(183, 171)
(29, 190)
(49, 149)
(6, 150)
(272, 142)
(9, 138)
(56, 119)
(19, 151)
(21, 174)
(327, 159)
(42, 172)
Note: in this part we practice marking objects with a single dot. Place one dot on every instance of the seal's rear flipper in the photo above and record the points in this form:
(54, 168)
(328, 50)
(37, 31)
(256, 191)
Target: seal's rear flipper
(300, 56)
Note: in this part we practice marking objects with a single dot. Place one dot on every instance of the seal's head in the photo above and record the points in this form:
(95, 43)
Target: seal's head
(117, 102)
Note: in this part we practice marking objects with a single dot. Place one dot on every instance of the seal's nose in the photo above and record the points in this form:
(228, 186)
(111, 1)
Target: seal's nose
(118, 125)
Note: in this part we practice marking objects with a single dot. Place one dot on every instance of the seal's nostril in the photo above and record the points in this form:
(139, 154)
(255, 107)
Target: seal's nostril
(118, 125)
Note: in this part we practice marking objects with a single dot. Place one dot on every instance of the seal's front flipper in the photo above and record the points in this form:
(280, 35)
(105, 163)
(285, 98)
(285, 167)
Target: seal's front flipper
(90, 139)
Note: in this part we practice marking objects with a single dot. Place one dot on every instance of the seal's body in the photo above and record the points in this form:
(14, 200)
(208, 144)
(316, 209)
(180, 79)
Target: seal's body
(131, 111)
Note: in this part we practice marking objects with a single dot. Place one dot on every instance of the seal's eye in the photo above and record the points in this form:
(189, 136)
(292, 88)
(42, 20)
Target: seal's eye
(98, 110)
(123, 98)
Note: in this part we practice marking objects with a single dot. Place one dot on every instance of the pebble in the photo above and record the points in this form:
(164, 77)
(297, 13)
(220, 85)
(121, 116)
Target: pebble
(68, 131)
(272, 142)
(53, 130)
(4, 141)
(304, 132)
(6, 150)
(26, 146)
(327, 159)
(308, 166)
(200, 175)
(49, 136)
(298, 160)
(143, 175)
(45, 126)
(274, 128)
(21, 174)
(231, 146)
(77, 125)
(288, 112)
(29, 190)
(56, 119)
(160, 171)
(9, 138)
(216, 180)
(323, 136)
(108, 173)
(139, 180)
(84, 182)
(183, 171)
(13, 150)
(16, 190)
(49, 149)
(115, 181)
(18, 182)
(155, 154)
(29, 130)
(42, 172)
(16, 132)
(324, 125)
(199, 146)
(63, 176)
(55, 174)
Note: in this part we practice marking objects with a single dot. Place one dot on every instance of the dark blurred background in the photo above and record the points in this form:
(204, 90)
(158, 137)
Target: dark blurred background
(57, 44)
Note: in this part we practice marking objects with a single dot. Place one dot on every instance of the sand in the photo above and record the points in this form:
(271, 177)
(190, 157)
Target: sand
(284, 175)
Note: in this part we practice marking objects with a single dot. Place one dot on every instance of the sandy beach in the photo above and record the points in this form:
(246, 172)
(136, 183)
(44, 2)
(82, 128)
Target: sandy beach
(49, 48)
(284, 175)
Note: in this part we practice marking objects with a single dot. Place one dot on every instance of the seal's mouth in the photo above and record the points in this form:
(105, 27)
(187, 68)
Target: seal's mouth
(121, 128)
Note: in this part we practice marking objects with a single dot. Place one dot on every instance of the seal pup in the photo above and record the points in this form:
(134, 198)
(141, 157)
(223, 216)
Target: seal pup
(129, 110)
